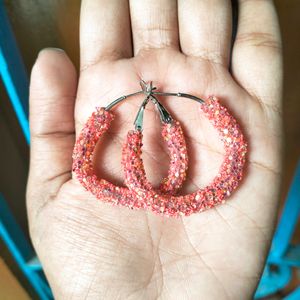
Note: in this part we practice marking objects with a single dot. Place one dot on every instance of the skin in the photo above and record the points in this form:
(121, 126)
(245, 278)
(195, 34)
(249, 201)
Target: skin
(91, 250)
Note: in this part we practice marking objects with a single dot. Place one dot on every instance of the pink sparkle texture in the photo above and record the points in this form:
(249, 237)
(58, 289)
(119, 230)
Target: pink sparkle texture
(84, 148)
(222, 186)
(173, 136)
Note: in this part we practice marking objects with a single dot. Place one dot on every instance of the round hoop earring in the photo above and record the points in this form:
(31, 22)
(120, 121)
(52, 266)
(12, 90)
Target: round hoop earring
(98, 123)
(222, 186)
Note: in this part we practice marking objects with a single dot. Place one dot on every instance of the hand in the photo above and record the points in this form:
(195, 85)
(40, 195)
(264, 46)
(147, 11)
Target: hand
(91, 250)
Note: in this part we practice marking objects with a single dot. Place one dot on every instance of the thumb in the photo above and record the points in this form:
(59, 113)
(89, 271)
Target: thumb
(52, 98)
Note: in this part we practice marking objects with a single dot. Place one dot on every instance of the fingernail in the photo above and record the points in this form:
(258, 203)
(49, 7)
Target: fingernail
(51, 49)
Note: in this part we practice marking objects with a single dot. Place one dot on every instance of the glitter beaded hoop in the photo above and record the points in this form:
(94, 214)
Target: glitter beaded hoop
(174, 138)
(173, 135)
(223, 184)
(84, 148)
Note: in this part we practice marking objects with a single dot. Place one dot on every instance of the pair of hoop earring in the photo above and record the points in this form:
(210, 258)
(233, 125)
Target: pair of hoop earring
(139, 193)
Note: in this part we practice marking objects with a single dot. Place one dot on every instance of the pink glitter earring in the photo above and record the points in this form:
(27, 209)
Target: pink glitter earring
(98, 124)
(173, 135)
(216, 192)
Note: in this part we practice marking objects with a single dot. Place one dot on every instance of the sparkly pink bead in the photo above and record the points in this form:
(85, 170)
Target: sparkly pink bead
(226, 181)
(92, 131)
(173, 135)
(84, 148)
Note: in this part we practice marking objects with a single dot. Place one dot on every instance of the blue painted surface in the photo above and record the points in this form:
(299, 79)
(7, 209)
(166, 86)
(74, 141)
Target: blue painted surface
(20, 249)
(34, 264)
(295, 295)
(274, 278)
(283, 256)
(15, 80)
(292, 256)
(288, 220)
(13, 73)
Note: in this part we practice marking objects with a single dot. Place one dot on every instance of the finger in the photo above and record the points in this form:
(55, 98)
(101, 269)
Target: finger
(52, 97)
(256, 58)
(205, 29)
(104, 31)
(154, 24)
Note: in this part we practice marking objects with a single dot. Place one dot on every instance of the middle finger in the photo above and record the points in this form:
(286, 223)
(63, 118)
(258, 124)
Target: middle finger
(154, 24)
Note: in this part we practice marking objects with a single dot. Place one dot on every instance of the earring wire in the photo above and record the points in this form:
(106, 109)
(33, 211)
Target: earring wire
(149, 90)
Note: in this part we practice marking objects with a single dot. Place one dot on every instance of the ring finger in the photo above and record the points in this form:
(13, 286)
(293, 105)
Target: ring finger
(205, 29)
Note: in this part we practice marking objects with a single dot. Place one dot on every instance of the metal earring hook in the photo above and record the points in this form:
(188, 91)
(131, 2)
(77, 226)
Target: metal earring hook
(182, 95)
(149, 90)
(120, 99)
(164, 115)
(138, 122)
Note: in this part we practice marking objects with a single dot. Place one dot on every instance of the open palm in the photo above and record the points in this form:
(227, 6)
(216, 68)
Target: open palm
(91, 250)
